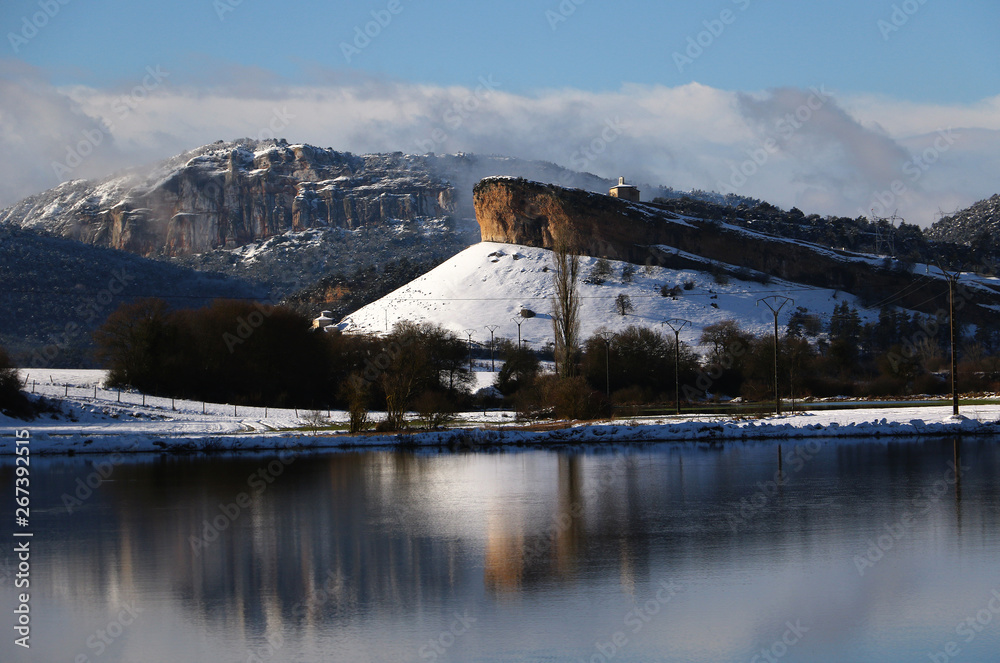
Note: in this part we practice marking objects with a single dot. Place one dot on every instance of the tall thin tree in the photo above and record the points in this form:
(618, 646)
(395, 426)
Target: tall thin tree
(566, 303)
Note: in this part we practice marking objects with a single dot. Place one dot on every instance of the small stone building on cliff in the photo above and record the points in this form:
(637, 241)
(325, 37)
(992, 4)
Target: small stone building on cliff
(624, 191)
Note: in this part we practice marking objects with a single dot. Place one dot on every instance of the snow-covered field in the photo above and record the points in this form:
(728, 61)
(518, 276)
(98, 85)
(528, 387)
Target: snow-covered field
(490, 283)
(104, 425)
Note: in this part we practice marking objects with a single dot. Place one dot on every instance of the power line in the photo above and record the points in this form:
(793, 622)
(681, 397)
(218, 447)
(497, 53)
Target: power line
(633, 296)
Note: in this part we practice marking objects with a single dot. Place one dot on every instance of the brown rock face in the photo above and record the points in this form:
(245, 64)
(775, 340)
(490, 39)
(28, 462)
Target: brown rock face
(517, 211)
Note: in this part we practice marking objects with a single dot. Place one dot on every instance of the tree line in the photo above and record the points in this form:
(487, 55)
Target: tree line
(253, 354)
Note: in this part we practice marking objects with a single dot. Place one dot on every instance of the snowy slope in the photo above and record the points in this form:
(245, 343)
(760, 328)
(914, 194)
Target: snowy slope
(490, 283)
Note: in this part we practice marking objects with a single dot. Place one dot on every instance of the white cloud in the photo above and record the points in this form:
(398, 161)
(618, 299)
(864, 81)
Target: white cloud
(843, 159)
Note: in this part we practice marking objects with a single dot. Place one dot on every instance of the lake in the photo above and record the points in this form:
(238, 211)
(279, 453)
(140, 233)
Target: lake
(814, 551)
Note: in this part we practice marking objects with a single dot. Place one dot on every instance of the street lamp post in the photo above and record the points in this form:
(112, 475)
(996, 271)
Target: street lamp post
(676, 325)
(493, 365)
(772, 303)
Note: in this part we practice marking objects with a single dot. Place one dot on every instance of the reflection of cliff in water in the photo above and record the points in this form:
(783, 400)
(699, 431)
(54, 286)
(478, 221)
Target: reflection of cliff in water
(344, 536)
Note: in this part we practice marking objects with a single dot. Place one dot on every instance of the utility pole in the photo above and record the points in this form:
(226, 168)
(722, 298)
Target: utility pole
(470, 332)
(772, 303)
(952, 279)
(518, 322)
(493, 365)
(676, 325)
(607, 336)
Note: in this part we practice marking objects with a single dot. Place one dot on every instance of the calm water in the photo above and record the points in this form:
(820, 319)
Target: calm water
(861, 551)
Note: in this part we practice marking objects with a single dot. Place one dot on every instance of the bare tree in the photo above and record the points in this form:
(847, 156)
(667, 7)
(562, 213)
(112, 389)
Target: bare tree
(356, 390)
(623, 304)
(566, 304)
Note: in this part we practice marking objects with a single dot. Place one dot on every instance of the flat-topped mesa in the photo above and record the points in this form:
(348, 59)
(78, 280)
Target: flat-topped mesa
(518, 211)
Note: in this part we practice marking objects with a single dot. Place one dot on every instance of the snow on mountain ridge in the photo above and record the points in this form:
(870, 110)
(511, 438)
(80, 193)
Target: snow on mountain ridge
(975, 223)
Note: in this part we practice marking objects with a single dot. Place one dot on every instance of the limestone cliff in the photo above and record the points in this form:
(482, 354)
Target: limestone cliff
(231, 194)
(518, 211)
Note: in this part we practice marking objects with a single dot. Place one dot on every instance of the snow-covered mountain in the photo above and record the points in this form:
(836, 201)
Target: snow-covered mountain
(227, 195)
(294, 219)
(230, 194)
(341, 229)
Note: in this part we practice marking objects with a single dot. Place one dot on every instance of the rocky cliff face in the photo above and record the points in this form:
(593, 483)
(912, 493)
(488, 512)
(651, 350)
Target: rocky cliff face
(518, 211)
(231, 194)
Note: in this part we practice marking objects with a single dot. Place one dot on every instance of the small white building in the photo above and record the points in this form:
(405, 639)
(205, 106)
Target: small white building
(324, 321)
(624, 191)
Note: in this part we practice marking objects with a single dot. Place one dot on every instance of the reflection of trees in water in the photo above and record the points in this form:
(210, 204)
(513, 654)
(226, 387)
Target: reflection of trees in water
(341, 536)
(303, 550)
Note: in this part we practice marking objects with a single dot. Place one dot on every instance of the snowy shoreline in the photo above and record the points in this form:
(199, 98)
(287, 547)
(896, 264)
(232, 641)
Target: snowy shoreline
(94, 420)
(790, 427)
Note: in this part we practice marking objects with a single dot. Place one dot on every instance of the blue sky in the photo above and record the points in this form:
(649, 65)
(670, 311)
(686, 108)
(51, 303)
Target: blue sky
(945, 52)
(712, 74)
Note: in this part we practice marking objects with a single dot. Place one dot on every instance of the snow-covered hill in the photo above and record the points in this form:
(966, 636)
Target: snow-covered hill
(976, 223)
(491, 283)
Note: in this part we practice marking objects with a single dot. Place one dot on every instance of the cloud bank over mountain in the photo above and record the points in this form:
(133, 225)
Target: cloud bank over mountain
(809, 148)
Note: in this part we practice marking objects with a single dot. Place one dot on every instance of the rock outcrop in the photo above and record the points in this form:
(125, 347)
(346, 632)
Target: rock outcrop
(232, 194)
(518, 211)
